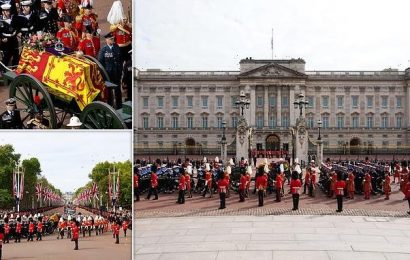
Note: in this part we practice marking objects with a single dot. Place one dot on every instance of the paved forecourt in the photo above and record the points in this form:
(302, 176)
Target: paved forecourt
(272, 237)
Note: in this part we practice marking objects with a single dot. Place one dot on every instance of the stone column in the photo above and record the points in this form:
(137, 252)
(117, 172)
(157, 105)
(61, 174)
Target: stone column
(292, 113)
(319, 153)
(242, 139)
(279, 106)
(301, 140)
(252, 111)
(266, 107)
(407, 105)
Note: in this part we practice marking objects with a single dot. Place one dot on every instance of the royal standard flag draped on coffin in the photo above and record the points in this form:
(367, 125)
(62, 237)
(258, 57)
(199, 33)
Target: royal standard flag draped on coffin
(67, 77)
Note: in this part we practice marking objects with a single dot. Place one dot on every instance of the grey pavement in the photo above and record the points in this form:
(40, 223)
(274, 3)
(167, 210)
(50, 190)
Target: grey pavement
(272, 237)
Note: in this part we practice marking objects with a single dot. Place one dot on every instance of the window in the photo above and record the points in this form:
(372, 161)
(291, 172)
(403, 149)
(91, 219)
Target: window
(259, 122)
(310, 122)
(285, 121)
(272, 101)
(325, 101)
(340, 101)
(219, 102)
(233, 101)
(145, 122)
(355, 121)
(190, 102)
(145, 102)
(190, 122)
(325, 122)
(175, 122)
(340, 121)
(385, 122)
(285, 101)
(384, 101)
(385, 144)
(369, 122)
(369, 101)
(219, 122)
(175, 102)
(160, 102)
(205, 122)
(160, 122)
(204, 102)
(398, 102)
(398, 121)
(272, 122)
(311, 101)
(234, 121)
(355, 101)
(259, 101)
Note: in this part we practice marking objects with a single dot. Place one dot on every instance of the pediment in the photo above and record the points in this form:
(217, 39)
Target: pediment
(272, 70)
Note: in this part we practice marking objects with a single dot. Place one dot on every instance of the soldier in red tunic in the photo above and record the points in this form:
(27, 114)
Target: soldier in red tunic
(228, 172)
(312, 184)
(86, 19)
(404, 179)
(260, 184)
(67, 35)
(39, 229)
(339, 188)
(18, 230)
(223, 186)
(154, 183)
(208, 180)
(75, 231)
(307, 180)
(89, 44)
(295, 185)
(6, 232)
(407, 194)
(242, 187)
(332, 184)
(278, 187)
(386, 186)
(248, 181)
(367, 185)
(350, 185)
(30, 230)
(181, 189)
(123, 37)
(136, 187)
(188, 181)
(117, 232)
(397, 170)
(1, 240)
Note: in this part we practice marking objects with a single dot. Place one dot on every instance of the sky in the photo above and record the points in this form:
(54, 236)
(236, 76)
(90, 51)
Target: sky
(217, 34)
(66, 158)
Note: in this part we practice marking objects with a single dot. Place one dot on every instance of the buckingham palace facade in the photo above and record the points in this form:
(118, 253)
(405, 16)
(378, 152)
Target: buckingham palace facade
(361, 111)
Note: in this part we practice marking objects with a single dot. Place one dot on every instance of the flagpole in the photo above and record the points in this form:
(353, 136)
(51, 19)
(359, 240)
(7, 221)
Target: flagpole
(271, 44)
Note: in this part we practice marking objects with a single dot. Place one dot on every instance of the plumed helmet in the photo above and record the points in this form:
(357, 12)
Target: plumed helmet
(61, 219)
(217, 159)
(228, 169)
(265, 161)
(205, 160)
(207, 167)
(266, 168)
(249, 169)
(69, 218)
(296, 160)
(189, 169)
(231, 162)
(116, 13)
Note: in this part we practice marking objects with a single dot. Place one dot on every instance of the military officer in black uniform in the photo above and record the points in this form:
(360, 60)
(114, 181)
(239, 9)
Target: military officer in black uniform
(10, 119)
(110, 57)
(48, 18)
(12, 3)
(27, 22)
(8, 37)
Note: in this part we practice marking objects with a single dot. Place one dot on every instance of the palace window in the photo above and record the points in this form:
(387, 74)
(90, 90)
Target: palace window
(259, 122)
(259, 101)
(204, 102)
(272, 122)
(285, 121)
(175, 102)
(310, 122)
(174, 122)
(398, 102)
(160, 122)
(144, 102)
(340, 121)
(398, 121)
(340, 101)
(384, 101)
(325, 101)
(355, 121)
(219, 122)
(145, 122)
(355, 101)
(160, 102)
(311, 101)
(369, 122)
(369, 101)
(385, 122)
(233, 101)
(190, 102)
(272, 101)
(219, 102)
(234, 121)
(205, 122)
(190, 122)
(325, 122)
(285, 101)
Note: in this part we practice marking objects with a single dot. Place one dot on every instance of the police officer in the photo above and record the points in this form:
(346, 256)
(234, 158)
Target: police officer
(10, 119)
(27, 21)
(8, 36)
(49, 18)
(110, 58)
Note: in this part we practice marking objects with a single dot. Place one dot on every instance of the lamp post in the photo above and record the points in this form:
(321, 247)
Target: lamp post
(319, 144)
(242, 133)
(300, 103)
(18, 184)
(243, 102)
(223, 143)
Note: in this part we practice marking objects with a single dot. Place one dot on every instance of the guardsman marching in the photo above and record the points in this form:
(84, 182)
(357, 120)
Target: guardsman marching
(404, 179)
(386, 186)
(1, 240)
(188, 181)
(397, 170)
(227, 176)
(181, 189)
(242, 186)
(10, 119)
(75, 231)
(208, 180)
(340, 185)
(67, 35)
(84, 226)
(223, 186)
(367, 186)
(110, 57)
(61, 227)
(278, 184)
(350, 185)
(89, 45)
(407, 194)
(307, 180)
(49, 18)
(18, 230)
(6, 232)
(248, 181)
(27, 21)
(39, 229)
(90, 225)
(295, 185)
(117, 231)
(154, 183)
(30, 230)
(8, 36)
(88, 18)
(333, 179)
(260, 184)
(312, 183)
(125, 227)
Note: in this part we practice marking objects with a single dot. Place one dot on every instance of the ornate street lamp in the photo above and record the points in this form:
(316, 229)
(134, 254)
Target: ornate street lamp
(319, 144)
(319, 125)
(243, 102)
(223, 142)
(301, 103)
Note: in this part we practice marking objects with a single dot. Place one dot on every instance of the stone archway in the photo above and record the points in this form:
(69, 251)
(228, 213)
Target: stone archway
(190, 145)
(273, 142)
(355, 145)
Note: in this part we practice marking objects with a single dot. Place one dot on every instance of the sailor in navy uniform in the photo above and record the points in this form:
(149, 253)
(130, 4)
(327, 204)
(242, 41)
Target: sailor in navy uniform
(10, 119)
(49, 18)
(110, 57)
(8, 37)
(27, 21)
(12, 3)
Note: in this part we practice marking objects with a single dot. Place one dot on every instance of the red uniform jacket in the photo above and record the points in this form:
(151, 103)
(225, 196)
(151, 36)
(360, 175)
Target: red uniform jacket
(86, 20)
(6, 228)
(248, 181)
(386, 186)
(243, 182)
(261, 182)
(124, 225)
(31, 227)
(68, 38)
(350, 182)
(339, 187)
(223, 185)
(295, 186)
(136, 181)
(90, 47)
(407, 189)
(116, 229)
(154, 180)
(367, 183)
(278, 181)
(40, 227)
(188, 182)
(1, 240)
(123, 36)
(181, 185)
(75, 232)
(307, 177)
(208, 179)
(18, 227)
(313, 179)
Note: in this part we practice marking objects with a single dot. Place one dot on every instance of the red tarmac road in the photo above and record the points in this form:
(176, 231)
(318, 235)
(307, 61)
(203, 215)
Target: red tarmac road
(94, 247)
